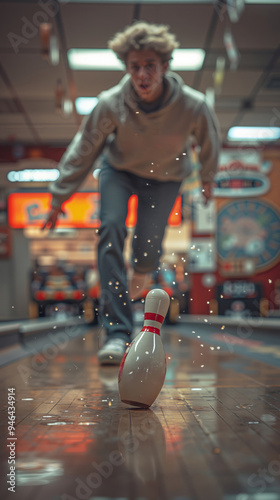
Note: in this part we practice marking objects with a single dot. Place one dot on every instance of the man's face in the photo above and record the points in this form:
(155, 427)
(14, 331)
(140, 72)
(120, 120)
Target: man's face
(146, 70)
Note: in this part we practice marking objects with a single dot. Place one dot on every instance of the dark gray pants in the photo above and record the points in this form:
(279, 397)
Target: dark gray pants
(155, 201)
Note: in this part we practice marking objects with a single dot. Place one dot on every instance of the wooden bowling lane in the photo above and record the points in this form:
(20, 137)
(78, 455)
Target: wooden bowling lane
(212, 434)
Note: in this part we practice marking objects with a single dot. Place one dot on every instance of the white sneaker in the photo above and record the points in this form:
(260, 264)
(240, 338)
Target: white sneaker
(112, 352)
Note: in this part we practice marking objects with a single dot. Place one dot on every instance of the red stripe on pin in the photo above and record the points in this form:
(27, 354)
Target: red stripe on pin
(151, 329)
(154, 317)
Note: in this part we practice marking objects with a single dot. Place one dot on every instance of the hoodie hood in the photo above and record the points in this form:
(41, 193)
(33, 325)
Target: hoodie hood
(173, 85)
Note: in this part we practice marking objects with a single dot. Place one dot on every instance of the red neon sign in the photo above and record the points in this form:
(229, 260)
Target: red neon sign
(81, 210)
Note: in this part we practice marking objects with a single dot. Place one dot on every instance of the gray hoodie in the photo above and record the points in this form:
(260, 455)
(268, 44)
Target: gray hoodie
(150, 143)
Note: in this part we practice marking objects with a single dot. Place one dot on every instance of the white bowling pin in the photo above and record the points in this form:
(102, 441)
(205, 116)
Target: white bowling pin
(143, 367)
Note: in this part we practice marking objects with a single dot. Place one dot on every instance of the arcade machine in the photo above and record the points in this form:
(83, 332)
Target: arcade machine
(234, 253)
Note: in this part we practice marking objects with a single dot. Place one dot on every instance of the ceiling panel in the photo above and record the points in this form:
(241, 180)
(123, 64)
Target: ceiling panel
(13, 128)
(32, 76)
(226, 119)
(256, 119)
(236, 83)
(27, 82)
(62, 133)
(190, 23)
(44, 109)
(258, 26)
(92, 25)
(19, 23)
(91, 83)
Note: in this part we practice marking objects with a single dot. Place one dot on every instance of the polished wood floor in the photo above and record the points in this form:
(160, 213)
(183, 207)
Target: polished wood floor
(212, 434)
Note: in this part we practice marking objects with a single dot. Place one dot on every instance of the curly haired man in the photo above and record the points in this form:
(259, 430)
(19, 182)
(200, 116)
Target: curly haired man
(141, 128)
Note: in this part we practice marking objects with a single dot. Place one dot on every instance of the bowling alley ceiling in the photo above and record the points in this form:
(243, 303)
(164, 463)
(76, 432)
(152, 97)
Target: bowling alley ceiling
(31, 86)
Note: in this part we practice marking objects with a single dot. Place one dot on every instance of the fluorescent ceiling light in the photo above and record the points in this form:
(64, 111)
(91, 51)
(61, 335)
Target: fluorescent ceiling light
(105, 59)
(98, 59)
(254, 133)
(33, 175)
(84, 105)
(187, 59)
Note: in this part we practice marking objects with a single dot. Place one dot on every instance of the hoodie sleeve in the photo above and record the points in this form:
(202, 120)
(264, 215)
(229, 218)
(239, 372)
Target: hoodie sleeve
(208, 138)
(82, 152)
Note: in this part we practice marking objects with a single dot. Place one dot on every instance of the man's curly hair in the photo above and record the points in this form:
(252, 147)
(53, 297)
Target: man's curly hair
(142, 36)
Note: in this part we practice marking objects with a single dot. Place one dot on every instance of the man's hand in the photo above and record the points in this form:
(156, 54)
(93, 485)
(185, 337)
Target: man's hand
(207, 188)
(51, 219)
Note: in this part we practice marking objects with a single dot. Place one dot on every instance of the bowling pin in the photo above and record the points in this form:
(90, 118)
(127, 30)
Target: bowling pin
(143, 367)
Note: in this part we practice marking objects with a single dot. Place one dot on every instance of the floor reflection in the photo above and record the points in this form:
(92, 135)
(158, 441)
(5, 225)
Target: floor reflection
(213, 429)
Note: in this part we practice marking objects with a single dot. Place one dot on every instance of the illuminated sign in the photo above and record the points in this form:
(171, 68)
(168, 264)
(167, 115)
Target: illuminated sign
(241, 174)
(81, 211)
